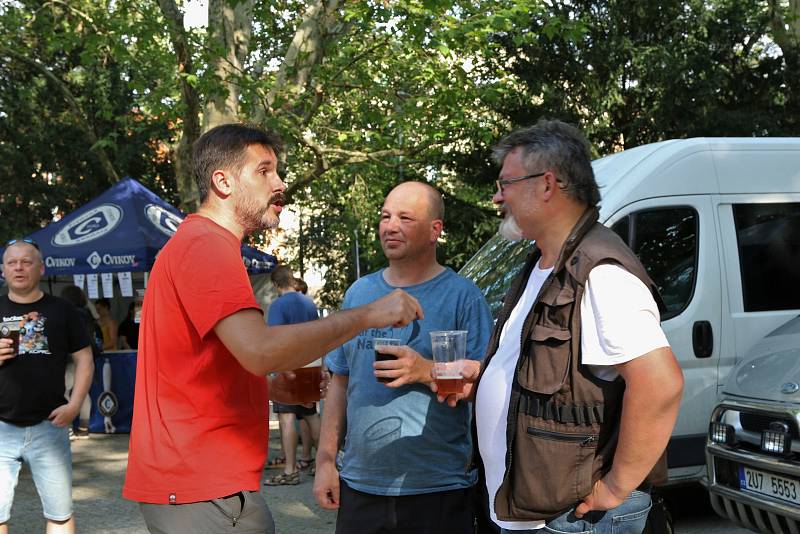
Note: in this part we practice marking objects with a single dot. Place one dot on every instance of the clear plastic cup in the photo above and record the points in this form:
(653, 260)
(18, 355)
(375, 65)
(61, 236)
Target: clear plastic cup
(449, 351)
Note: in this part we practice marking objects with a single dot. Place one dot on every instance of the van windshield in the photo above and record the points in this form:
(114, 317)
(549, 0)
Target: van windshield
(494, 266)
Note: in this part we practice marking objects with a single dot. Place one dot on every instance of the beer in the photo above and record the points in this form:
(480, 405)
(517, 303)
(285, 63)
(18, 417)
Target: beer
(449, 348)
(381, 357)
(379, 343)
(301, 389)
(449, 385)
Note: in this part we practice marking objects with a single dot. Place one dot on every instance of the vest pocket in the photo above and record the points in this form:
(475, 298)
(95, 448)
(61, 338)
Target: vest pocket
(552, 472)
(545, 369)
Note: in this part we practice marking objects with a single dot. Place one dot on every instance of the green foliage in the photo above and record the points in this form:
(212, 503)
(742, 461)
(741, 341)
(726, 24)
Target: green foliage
(379, 92)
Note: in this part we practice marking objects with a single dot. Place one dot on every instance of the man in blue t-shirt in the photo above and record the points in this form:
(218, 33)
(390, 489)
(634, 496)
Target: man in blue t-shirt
(406, 462)
(292, 307)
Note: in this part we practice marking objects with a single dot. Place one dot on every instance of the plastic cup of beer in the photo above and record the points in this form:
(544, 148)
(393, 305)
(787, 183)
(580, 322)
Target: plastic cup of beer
(11, 331)
(449, 350)
(302, 389)
(377, 344)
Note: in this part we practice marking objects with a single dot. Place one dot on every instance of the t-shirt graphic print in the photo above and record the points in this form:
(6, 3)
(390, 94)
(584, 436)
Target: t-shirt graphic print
(32, 339)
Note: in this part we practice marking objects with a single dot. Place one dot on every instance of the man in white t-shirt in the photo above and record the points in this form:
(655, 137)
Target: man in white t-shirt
(580, 390)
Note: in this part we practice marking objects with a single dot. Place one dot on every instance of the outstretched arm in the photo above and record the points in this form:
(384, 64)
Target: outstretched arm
(262, 349)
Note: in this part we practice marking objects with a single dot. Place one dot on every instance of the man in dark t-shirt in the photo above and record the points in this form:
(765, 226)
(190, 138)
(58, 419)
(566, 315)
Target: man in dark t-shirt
(34, 415)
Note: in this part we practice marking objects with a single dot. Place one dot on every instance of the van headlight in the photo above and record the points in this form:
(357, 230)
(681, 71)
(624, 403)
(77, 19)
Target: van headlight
(721, 433)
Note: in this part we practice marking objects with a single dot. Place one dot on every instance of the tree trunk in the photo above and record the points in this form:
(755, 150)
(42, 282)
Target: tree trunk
(786, 32)
(230, 26)
(184, 168)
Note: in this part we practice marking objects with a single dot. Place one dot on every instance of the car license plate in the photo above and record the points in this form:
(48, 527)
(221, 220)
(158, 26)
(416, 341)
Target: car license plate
(764, 483)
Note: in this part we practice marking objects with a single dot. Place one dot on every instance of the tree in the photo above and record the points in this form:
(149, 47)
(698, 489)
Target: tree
(368, 94)
(69, 122)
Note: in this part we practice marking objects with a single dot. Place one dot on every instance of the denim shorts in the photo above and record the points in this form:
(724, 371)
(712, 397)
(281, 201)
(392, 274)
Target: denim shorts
(46, 450)
(627, 518)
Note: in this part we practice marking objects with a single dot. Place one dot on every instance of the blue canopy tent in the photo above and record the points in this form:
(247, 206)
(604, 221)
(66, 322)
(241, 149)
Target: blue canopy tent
(123, 229)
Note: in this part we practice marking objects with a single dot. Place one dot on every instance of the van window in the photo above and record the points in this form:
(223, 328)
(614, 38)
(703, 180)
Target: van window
(768, 236)
(665, 239)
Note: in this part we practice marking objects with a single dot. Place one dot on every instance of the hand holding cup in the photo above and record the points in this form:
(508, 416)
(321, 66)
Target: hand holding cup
(9, 343)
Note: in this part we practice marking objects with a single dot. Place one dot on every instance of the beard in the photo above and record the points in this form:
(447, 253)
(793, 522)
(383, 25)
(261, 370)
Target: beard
(253, 217)
(509, 229)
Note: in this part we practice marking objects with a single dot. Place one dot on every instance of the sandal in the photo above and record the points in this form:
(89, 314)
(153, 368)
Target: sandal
(305, 464)
(276, 461)
(283, 479)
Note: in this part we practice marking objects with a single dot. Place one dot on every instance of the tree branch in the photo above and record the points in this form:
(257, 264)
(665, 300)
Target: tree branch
(305, 51)
(78, 114)
(323, 163)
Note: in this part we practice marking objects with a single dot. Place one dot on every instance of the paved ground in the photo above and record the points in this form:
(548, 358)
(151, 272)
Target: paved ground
(99, 470)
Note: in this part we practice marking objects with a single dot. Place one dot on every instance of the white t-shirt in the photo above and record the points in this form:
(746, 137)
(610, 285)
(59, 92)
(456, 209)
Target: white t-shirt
(619, 322)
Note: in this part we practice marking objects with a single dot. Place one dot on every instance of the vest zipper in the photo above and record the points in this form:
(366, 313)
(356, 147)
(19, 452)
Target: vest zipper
(585, 439)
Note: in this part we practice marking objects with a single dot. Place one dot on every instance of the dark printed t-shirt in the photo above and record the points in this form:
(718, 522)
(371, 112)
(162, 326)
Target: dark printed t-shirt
(32, 384)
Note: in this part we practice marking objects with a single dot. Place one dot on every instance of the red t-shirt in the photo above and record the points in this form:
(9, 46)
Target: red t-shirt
(200, 424)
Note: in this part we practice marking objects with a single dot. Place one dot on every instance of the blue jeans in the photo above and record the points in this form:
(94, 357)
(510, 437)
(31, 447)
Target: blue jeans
(46, 450)
(627, 518)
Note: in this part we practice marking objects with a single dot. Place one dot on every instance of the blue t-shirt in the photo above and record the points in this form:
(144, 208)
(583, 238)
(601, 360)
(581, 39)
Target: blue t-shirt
(402, 441)
(291, 308)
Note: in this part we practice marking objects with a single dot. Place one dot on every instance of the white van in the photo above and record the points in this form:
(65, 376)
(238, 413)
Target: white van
(716, 223)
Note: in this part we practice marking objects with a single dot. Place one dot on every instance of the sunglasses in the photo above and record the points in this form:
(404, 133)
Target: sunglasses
(31, 242)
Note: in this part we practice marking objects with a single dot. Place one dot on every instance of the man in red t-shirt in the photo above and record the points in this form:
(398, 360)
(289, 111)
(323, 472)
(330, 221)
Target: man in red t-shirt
(199, 435)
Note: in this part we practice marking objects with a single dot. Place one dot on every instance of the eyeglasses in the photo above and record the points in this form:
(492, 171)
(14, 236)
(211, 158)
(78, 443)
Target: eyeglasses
(31, 242)
(508, 181)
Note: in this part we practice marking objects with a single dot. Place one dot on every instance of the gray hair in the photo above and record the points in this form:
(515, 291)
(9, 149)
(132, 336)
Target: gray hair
(557, 146)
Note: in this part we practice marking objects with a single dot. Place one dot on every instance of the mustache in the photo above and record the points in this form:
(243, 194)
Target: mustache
(278, 199)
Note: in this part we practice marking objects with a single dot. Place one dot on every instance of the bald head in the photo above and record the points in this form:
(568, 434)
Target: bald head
(425, 193)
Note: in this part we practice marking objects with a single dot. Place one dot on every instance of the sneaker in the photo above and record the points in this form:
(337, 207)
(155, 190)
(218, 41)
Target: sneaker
(81, 433)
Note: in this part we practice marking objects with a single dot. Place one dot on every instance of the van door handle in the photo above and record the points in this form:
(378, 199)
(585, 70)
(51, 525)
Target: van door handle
(702, 339)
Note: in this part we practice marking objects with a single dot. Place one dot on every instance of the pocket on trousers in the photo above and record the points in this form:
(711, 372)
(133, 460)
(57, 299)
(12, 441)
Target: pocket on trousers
(539, 483)
(558, 531)
(632, 514)
(567, 523)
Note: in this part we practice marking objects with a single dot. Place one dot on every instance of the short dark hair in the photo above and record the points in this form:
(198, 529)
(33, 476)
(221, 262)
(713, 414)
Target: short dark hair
(223, 147)
(561, 147)
(74, 295)
(103, 302)
(300, 285)
(283, 277)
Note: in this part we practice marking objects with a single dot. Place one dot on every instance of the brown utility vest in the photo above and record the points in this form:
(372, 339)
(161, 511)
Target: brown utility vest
(563, 422)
